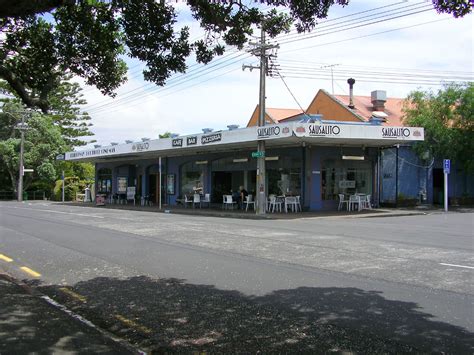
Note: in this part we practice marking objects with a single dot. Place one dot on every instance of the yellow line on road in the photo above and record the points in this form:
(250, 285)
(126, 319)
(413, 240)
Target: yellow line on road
(74, 295)
(30, 271)
(132, 324)
(5, 258)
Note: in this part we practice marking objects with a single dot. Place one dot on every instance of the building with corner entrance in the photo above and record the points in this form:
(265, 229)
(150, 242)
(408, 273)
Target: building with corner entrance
(308, 156)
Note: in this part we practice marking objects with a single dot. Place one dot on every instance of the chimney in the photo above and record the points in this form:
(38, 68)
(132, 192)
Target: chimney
(378, 98)
(351, 83)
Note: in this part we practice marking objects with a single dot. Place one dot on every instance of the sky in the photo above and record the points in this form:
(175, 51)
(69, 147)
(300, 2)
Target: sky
(396, 46)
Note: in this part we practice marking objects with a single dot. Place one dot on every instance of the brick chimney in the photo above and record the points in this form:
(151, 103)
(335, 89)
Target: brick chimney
(378, 98)
(351, 83)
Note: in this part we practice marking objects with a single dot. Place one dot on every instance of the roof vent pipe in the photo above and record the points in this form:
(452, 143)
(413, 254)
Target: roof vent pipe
(351, 83)
(207, 130)
(232, 127)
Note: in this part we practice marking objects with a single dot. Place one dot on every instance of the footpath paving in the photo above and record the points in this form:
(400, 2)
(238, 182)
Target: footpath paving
(217, 211)
(30, 323)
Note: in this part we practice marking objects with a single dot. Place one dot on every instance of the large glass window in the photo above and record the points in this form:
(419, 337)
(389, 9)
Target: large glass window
(192, 178)
(345, 177)
(104, 180)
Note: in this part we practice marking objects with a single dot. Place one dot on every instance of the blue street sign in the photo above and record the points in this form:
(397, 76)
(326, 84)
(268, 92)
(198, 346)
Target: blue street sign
(447, 166)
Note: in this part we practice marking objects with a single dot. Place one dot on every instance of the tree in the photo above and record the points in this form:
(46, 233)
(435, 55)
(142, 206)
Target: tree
(42, 143)
(164, 135)
(88, 37)
(448, 119)
(64, 101)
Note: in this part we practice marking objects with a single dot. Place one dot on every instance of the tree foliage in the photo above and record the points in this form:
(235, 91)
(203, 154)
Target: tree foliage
(448, 119)
(89, 37)
(42, 143)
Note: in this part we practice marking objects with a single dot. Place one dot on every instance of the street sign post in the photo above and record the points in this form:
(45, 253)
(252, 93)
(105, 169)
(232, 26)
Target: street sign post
(447, 170)
(258, 154)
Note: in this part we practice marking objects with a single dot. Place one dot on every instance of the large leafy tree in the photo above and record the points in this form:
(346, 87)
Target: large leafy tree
(448, 119)
(43, 141)
(88, 37)
(48, 134)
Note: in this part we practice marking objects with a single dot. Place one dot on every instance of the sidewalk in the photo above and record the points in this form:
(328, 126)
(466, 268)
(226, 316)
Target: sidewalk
(29, 324)
(217, 211)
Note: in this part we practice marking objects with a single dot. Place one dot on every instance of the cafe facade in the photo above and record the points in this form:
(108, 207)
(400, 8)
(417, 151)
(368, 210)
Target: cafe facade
(316, 160)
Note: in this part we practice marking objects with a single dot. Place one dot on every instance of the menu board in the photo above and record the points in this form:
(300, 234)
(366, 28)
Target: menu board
(122, 183)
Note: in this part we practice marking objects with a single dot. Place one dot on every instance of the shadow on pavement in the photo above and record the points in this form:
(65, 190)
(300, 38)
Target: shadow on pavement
(169, 315)
(29, 325)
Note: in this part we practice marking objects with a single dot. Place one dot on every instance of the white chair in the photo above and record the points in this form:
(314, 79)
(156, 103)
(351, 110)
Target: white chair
(197, 200)
(229, 202)
(354, 200)
(365, 202)
(187, 200)
(207, 199)
(274, 204)
(298, 203)
(342, 201)
(290, 201)
(249, 201)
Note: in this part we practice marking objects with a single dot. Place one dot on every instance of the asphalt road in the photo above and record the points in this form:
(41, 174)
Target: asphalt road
(406, 280)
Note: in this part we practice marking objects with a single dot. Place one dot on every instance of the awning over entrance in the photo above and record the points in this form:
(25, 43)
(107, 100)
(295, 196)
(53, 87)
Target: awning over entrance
(279, 135)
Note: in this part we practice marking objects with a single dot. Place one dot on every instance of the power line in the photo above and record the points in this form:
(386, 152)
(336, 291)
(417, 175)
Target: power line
(364, 36)
(355, 26)
(131, 94)
(322, 24)
(162, 89)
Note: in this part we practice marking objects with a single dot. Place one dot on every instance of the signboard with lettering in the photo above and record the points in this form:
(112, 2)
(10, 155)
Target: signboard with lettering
(122, 183)
(131, 191)
(191, 140)
(258, 154)
(211, 138)
(177, 142)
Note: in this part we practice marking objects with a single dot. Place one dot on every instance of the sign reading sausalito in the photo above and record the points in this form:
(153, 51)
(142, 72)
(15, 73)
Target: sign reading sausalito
(91, 153)
(211, 138)
(395, 132)
(323, 130)
(267, 132)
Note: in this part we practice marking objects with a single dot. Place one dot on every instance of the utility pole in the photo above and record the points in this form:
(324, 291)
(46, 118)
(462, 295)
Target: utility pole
(260, 50)
(22, 127)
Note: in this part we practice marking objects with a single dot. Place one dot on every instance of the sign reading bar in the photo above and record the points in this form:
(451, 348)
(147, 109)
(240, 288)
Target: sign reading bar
(258, 154)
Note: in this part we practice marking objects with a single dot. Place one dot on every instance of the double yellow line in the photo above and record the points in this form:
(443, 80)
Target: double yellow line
(25, 269)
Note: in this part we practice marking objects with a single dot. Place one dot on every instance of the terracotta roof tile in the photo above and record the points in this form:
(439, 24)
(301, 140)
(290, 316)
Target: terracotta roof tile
(364, 108)
(278, 114)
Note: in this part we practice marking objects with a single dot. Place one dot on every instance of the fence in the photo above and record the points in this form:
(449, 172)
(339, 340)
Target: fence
(27, 195)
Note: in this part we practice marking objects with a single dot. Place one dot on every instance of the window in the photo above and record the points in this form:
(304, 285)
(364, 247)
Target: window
(104, 180)
(192, 178)
(345, 177)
